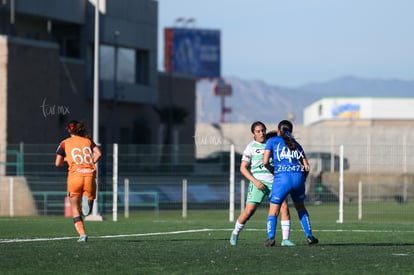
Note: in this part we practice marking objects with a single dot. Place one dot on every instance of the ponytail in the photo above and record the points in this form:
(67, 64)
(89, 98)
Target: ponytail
(78, 128)
(285, 127)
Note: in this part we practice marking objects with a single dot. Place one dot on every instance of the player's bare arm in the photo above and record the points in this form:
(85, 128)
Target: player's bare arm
(59, 161)
(306, 166)
(96, 154)
(244, 169)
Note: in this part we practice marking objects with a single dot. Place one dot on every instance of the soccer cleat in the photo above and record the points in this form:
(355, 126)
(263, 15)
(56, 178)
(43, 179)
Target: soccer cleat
(83, 239)
(269, 243)
(86, 209)
(312, 240)
(233, 239)
(287, 243)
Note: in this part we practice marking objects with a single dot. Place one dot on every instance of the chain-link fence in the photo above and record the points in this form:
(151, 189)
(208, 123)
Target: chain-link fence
(155, 176)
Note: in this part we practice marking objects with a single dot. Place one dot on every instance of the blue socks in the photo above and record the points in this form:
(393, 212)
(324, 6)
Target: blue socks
(271, 227)
(305, 222)
(271, 224)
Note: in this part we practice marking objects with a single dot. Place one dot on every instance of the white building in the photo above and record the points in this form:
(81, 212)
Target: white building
(360, 111)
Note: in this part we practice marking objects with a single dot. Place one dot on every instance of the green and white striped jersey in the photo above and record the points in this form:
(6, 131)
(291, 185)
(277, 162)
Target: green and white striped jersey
(253, 154)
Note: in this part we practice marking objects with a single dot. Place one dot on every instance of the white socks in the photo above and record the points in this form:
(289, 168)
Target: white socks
(237, 228)
(285, 225)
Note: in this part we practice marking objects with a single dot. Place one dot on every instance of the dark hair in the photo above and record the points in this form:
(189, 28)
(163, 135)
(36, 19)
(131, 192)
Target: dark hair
(77, 128)
(285, 127)
(271, 134)
(257, 123)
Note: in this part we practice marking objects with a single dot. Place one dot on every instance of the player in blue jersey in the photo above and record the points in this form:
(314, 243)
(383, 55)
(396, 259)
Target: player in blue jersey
(260, 184)
(290, 169)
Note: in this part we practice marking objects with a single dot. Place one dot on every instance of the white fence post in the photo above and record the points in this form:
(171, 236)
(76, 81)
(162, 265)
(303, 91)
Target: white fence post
(184, 198)
(359, 200)
(126, 198)
(11, 196)
(231, 206)
(115, 183)
(341, 184)
(242, 194)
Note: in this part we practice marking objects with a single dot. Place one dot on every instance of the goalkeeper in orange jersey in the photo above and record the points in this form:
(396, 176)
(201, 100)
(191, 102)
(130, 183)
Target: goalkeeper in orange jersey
(81, 155)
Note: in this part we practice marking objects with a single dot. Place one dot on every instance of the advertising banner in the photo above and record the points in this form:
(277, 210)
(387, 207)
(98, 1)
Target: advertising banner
(194, 52)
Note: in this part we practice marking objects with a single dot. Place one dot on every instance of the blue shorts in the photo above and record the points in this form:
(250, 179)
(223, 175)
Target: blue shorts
(285, 183)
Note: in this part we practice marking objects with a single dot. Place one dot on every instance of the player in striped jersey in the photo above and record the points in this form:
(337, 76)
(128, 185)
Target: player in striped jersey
(81, 154)
(260, 184)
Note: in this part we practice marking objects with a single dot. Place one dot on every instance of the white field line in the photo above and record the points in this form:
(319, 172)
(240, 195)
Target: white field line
(180, 232)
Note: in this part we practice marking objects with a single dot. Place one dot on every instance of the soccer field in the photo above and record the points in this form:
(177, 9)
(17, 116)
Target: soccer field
(199, 244)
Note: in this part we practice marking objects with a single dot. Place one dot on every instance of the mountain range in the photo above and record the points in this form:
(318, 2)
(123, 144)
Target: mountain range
(256, 100)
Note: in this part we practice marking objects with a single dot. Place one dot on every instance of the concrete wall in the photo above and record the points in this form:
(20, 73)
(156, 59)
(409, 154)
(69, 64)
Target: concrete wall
(383, 147)
(374, 186)
(16, 198)
(381, 157)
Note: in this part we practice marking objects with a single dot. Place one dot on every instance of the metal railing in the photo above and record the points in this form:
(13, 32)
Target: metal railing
(12, 158)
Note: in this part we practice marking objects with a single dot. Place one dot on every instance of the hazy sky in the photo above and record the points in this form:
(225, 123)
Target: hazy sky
(294, 42)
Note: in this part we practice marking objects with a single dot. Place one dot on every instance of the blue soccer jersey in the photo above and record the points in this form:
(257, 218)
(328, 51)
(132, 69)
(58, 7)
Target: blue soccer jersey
(284, 159)
(288, 171)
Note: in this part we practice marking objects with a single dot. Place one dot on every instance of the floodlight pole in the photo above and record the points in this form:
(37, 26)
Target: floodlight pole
(96, 77)
(95, 216)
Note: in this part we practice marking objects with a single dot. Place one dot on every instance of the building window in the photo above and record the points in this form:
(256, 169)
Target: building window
(124, 63)
(106, 62)
(69, 47)
(142, 67)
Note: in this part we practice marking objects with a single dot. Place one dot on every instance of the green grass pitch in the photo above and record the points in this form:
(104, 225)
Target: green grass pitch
(199, 244)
